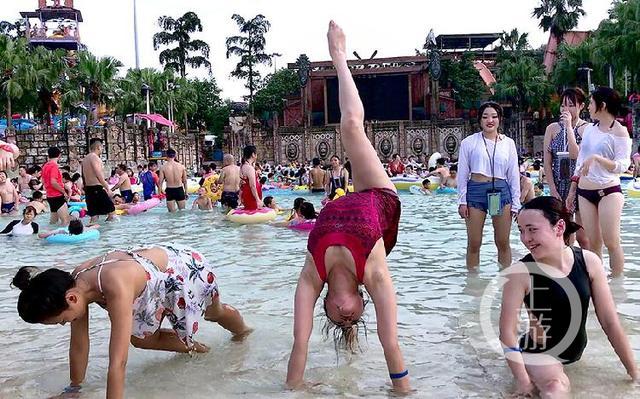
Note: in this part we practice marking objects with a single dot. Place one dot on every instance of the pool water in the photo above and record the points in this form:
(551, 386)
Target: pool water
(258, 266)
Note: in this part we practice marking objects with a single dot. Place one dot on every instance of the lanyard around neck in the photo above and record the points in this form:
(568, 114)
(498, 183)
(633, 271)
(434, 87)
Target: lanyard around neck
(492, 159)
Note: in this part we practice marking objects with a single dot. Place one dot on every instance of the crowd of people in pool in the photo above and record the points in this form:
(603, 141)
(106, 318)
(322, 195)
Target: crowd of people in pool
(353, 235)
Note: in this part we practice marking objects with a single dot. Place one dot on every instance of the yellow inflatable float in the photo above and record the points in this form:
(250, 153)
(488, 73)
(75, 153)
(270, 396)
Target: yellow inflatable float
(213, 190)
(306, 188)
(242, 216)
(633, 189)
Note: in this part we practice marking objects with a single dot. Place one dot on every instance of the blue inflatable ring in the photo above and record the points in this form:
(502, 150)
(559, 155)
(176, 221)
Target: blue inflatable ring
(446, 190)
(72, 239)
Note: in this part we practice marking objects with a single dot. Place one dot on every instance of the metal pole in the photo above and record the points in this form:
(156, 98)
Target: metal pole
(588, 70)
(135, 32)
(626, 82)
(148, 109)
(610, 76)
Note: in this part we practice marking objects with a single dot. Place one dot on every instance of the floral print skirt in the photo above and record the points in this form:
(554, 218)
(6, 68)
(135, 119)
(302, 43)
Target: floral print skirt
(181, 293)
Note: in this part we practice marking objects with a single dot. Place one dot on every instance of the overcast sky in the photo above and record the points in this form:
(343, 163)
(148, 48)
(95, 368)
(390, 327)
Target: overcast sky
(394, 28)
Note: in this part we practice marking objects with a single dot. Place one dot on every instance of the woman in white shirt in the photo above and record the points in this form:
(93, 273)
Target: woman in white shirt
(488, 183)
(605, 153)
(26, 226)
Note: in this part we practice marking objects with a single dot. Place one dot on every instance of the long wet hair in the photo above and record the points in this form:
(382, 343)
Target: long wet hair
(345, 337)
(553, 210)
(43, 293)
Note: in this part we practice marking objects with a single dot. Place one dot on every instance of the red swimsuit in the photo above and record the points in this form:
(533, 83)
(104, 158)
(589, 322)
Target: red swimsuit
(356, 221)
(248, 200)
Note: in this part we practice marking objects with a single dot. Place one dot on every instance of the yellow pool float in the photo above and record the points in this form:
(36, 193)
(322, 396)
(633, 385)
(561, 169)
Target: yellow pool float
(633, 189)
(192, 186)
(241, 216)
(213, 190)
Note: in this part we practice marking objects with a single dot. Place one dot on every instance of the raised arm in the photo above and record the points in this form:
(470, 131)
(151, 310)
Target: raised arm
(547, 160)
(8, 154)
(121, 180)
(512, 298)
(380, 287)
(79, 349)
(307, 293)
(608, 315)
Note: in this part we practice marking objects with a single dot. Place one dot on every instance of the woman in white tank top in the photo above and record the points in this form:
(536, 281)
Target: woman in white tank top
(605, 153)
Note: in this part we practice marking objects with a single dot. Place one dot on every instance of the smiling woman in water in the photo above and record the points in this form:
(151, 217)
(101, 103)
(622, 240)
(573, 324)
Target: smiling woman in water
(555, 282)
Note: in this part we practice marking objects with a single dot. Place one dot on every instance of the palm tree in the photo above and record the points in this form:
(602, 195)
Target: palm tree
(13, 70)
(179, 31)
(571, 59)
(249, 46)
(49, 71)
(523, 83)
(616, 40)
(514, 40)
(558, 16)
(512, 45)
(96, 76)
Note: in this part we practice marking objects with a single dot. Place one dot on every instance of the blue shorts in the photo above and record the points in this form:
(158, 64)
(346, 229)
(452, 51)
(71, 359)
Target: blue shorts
(8, 207)
(477, 193)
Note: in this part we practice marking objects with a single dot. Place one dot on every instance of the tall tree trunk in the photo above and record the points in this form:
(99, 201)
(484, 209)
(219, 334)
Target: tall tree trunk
(9, 120)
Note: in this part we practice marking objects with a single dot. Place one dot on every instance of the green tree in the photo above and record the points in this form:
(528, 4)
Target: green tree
(16, 72)
(570, 59)
(97, 79)
(188, 52)
(523, 83)
(250, 47)
(212, 113)
(617, 40)
(512, 45)
(50, 70)
(129, 95)
(270, 97)
(464, 80)
(558, 16)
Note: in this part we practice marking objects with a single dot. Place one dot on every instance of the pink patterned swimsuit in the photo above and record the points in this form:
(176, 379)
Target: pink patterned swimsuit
(356, 221)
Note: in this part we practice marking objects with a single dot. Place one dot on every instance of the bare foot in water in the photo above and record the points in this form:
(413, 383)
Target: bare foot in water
(241, 337)
(337, 42)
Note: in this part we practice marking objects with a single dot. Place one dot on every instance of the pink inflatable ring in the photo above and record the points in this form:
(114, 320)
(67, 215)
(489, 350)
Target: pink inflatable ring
(143, 206)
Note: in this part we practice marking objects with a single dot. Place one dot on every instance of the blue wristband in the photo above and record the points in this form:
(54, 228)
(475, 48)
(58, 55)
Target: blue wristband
(511, 349)
(397, 376)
